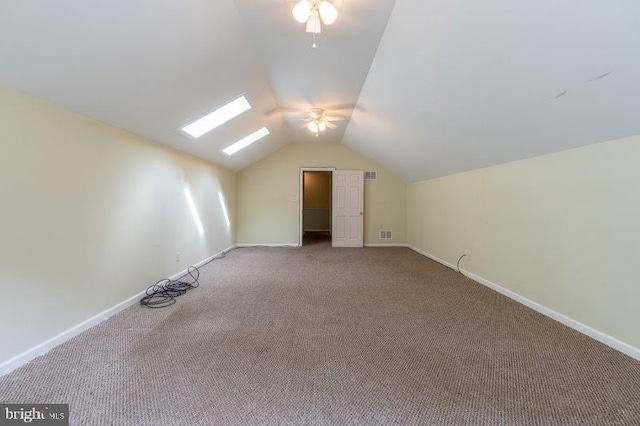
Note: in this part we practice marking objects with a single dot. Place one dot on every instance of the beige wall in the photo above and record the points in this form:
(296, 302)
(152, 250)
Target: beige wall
(562, 230)
(91, 216)
(268, 195)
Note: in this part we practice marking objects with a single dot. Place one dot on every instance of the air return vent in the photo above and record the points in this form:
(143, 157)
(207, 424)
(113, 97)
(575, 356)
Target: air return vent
(371, 175)
(385, 235)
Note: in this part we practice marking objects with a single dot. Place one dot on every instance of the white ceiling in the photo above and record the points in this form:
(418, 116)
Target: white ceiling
(459, 85)
(438, 86)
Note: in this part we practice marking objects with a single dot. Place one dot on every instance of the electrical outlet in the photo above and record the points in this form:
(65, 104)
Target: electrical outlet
(178, 256)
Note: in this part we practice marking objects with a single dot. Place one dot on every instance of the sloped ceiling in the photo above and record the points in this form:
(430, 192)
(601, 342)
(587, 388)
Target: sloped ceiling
(459, 85)
(431, 87)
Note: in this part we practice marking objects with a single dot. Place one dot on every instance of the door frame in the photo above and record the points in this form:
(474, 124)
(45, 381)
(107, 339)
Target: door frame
(301, 196)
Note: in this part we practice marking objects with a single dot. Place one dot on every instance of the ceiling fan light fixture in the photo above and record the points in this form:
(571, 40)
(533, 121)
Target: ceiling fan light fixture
(328, 12)
(313, 127)
(302, 11)
(322, 126)
(313, 23)
(314, 13)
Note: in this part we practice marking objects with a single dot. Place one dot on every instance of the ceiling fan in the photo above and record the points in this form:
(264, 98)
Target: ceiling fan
(318, 122)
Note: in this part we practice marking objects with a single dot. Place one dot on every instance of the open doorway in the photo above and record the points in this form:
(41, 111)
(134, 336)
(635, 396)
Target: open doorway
(315, 205)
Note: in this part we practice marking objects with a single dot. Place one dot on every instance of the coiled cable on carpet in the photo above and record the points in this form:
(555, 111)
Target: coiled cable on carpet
(164, 292)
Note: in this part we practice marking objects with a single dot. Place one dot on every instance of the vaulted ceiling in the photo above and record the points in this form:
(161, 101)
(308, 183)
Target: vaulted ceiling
(428, 87)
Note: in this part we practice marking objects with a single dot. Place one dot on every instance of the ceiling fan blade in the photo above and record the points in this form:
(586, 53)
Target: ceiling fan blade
(285, 110)
(315, 114)
(333, 118)
(330, 125)
(347, 105)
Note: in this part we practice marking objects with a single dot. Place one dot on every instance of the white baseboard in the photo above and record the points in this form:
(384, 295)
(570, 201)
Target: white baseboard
(386, 245)
(601, 337)
(202, 262)
(267, 245)
(44, 347)
(432, 257)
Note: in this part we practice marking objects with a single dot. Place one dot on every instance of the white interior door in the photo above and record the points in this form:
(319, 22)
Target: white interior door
(348, 208)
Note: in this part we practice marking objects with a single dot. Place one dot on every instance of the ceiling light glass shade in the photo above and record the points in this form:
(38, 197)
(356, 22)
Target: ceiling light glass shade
(321, 126)
(313, 127)
(313, 24)
(301, 11)
(328, 13)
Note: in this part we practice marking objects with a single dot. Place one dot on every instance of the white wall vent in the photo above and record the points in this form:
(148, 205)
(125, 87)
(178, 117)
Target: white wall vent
(370, 175)
(385, 235)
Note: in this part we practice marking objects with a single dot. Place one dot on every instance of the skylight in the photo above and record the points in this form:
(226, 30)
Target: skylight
(246, 141)
(217, 117)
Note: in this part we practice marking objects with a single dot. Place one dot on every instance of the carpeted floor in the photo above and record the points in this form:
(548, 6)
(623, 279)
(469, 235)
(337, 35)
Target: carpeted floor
(315, 335)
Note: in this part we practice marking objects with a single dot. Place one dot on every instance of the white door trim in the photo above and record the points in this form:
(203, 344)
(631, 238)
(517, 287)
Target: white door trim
(300, 196)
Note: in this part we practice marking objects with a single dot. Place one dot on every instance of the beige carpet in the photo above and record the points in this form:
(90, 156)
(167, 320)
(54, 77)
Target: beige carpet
(316, 335)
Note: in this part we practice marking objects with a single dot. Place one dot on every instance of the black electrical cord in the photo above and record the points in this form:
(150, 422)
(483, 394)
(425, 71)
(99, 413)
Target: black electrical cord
(164, 292)
(458, 264)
